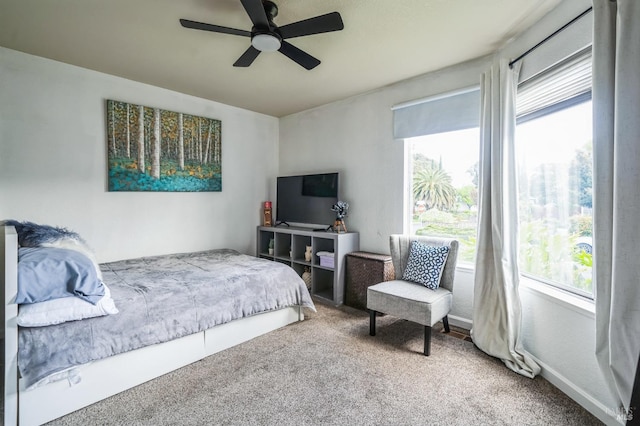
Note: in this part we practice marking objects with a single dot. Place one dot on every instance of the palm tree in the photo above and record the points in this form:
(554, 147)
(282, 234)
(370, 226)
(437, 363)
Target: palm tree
(433, 186)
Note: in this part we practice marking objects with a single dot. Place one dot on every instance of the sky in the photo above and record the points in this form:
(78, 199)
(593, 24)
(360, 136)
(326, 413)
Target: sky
(458, 151)
(548, 139)
(556, 137)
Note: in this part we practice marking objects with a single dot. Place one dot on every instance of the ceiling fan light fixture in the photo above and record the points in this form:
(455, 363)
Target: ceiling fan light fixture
(265, 42)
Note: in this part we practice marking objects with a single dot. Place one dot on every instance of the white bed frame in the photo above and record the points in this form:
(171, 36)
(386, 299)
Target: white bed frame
(107, 377)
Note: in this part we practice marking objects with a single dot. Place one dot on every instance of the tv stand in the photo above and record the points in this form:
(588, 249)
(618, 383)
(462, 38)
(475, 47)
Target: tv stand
(289, 247)
(282, 223)
(327, 229)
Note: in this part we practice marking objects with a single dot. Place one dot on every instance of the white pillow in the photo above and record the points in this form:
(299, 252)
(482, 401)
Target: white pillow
(57, 311)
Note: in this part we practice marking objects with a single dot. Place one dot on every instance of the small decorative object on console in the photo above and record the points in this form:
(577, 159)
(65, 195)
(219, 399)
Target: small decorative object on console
(266, 219)
(307, 254)
(340, 208)
(306, 277)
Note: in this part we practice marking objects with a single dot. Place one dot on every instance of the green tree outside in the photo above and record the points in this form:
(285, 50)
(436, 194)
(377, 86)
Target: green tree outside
(433, 186)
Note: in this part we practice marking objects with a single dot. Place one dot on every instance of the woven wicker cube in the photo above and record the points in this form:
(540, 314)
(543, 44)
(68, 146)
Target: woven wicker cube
(365, 269)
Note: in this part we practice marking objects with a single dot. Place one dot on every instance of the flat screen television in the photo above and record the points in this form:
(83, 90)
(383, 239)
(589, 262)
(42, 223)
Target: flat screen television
(307, 199)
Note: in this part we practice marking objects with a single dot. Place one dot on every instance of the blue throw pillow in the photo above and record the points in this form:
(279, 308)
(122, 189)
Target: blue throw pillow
(425, 264)
(46, 273)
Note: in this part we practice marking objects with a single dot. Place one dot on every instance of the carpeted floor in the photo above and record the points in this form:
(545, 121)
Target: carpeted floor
(327, 370)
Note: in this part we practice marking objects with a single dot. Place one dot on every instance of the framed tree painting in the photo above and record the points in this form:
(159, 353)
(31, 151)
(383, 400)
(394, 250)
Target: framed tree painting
(150, 149)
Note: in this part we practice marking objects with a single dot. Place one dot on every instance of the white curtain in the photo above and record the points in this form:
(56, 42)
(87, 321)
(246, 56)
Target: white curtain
(497, 308)
(616, 153)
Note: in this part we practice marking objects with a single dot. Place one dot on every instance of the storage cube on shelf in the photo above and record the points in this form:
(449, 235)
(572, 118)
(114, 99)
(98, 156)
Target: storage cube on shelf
(326, 259)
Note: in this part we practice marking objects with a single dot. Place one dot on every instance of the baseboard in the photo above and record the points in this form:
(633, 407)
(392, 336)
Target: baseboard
(460, 322)
(595, 407)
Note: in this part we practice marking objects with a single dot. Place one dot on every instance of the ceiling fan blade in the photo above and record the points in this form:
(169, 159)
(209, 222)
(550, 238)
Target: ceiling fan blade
(256, 12)
(247, 57)
(320, 24)
(215, 28)
(299, 56)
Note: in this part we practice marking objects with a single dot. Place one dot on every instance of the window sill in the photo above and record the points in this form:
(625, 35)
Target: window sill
(465, 266)
(576, 303)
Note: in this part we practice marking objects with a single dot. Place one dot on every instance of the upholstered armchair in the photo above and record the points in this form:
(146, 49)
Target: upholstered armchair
(427, 297)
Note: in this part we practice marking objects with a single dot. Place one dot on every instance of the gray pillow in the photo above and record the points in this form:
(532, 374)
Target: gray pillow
(425, 264)
(46, 273)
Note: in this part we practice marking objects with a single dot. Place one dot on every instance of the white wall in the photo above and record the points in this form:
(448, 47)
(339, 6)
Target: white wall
(559, 332)
(53, 164)
(354, 136)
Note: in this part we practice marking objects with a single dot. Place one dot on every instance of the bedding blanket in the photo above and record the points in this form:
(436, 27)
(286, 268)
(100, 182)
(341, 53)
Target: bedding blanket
(162, 298)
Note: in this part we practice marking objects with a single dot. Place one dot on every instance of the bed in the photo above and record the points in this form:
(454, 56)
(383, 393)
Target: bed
(172, 311)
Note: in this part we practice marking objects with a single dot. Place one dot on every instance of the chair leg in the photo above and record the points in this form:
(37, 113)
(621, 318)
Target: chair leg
(445, 322)
(427, 340)
(372, 322)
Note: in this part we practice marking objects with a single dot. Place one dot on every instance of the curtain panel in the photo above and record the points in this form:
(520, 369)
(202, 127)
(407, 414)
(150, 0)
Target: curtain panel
(497, 308)
(616, 154)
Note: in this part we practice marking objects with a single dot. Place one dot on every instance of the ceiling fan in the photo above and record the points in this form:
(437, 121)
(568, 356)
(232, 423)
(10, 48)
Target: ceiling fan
(268, 37)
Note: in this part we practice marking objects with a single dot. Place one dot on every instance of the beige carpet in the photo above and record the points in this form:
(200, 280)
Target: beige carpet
(327, 370)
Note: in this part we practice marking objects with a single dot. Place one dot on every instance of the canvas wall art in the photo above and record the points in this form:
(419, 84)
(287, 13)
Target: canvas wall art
(150, 149)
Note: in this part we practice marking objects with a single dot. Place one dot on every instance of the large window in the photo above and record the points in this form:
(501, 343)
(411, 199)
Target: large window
(554, 154)
(444, 192)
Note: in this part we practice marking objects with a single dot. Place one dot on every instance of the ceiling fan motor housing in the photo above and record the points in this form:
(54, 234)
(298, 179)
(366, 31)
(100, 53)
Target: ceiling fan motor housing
(271, 9)
(267, 39)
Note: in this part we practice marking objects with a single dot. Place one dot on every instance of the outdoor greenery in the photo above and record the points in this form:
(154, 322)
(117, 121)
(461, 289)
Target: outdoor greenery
(552, 246)
(549, 247)
(443, 210)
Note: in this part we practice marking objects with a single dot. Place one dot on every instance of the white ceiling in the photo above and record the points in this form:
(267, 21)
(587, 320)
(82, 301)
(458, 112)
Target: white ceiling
(383, 42)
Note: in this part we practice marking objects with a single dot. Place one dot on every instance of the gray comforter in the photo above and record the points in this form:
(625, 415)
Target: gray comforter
(162, 298)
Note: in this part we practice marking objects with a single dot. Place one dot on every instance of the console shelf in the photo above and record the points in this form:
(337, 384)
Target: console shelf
(289, 246)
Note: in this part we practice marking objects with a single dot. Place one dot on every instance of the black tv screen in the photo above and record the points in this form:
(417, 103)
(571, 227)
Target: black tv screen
(307, 199)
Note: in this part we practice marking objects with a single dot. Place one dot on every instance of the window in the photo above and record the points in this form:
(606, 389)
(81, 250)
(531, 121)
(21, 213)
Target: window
(444, 187)
(554, 155)
(442, 138)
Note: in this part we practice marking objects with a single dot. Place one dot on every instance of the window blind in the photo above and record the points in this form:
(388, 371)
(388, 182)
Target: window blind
(437, 114)
(566, 82)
